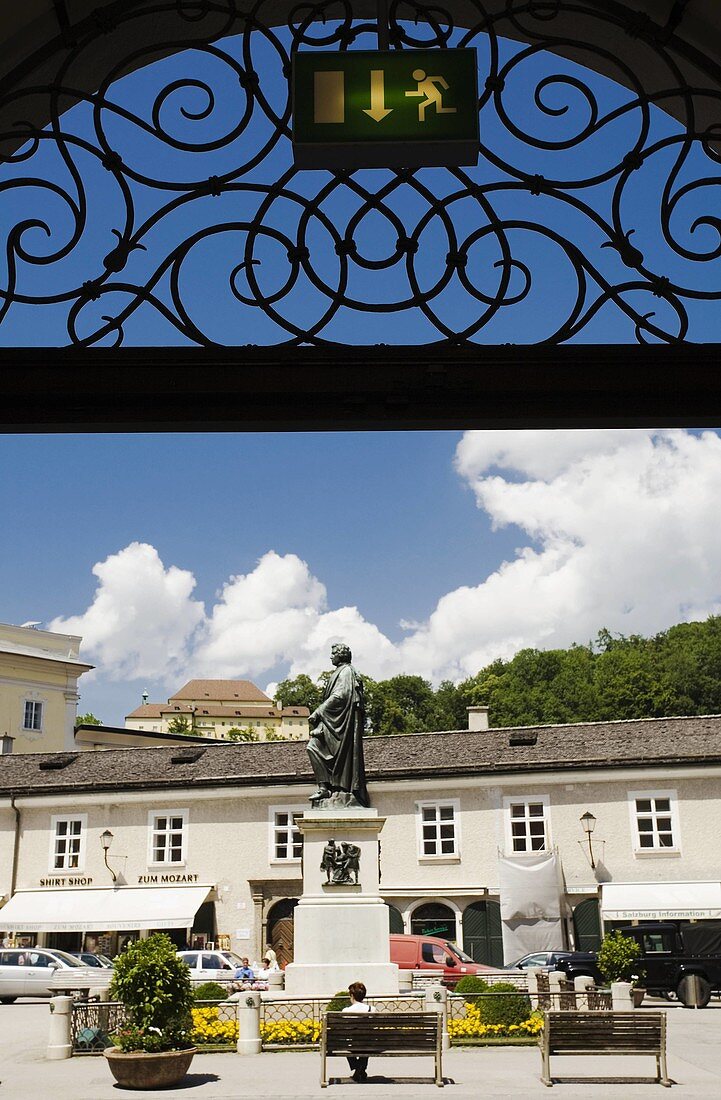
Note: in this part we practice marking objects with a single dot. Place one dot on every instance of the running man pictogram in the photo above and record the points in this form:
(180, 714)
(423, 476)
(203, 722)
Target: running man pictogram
(428, 86)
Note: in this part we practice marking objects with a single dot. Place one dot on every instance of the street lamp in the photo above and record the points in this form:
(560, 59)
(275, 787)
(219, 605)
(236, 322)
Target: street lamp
(588, 821)
(106, 839)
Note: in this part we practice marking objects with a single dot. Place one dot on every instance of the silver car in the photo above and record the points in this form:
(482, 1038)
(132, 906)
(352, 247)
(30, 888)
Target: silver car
(44, 972)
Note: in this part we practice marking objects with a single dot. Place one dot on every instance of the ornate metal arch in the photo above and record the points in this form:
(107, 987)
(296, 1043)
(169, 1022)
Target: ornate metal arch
(171, 205)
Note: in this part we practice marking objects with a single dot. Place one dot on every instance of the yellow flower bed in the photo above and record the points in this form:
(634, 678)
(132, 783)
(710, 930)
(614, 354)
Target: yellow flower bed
(470, 1027)
(208, 1028)
(290, 1031)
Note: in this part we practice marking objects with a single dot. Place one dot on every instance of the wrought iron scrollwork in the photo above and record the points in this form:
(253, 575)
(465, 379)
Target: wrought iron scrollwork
(161, 205)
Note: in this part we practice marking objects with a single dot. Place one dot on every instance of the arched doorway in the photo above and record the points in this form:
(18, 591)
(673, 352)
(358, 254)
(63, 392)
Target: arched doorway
(434, 919)
(395, 921)
(482, 935)
(587, 925)
(279, 929)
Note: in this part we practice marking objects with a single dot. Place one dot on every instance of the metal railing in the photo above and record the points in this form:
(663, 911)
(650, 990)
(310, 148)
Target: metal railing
(297, 1021)
(93, 1023)
(215, 1024)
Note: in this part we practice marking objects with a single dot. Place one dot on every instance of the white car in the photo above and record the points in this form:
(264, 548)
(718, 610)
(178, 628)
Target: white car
(208, 966)
(45, 972)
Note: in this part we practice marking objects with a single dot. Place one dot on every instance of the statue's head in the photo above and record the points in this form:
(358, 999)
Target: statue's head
(340, 653)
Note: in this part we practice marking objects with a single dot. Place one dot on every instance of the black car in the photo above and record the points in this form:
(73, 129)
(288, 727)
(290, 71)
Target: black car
(574, 964)
(90, 958)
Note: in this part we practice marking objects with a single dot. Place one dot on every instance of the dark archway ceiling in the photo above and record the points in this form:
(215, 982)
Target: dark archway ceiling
(36, 28)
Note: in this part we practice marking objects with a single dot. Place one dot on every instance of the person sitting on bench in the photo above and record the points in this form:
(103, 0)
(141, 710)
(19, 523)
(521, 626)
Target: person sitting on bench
(358, 1003)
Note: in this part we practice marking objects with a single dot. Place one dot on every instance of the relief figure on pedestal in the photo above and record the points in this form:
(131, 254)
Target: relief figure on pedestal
(341, 863)
(335, 747)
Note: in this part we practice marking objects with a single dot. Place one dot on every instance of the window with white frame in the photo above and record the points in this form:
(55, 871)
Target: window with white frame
(168, 836)
(439, 827)
(527, 825)
(286, 841)
(655, 826)
(32, 715)
(67, 842)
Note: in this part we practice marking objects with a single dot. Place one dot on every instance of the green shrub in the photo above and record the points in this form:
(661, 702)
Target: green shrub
(469, 988)
(504, 1010)
(617, 957)
(209, 991)
(339, 1002)
(154, 985)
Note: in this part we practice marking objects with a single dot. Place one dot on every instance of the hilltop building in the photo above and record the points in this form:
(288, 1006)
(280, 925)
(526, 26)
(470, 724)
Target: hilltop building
(214, 708)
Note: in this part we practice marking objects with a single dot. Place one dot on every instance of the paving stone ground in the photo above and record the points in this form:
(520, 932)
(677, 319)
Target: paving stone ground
(694, 1064)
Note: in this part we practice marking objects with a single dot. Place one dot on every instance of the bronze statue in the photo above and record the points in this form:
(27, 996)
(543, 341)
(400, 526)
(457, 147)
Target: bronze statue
(341, 863)
(336, 740)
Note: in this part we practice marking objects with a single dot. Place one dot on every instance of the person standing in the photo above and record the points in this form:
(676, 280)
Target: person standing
(358, 1003)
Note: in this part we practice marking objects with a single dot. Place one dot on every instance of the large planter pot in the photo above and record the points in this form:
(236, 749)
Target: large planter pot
(637, 996)
(149, 1071)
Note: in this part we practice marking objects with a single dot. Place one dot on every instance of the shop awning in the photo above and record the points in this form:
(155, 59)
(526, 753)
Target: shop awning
(119, 909)
(660, 900)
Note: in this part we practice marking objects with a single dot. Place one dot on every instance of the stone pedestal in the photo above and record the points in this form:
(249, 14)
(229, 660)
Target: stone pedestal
(340, 931)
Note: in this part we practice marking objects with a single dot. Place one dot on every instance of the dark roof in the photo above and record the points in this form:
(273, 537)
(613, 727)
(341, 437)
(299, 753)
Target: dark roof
(651, 742)
(173, 738)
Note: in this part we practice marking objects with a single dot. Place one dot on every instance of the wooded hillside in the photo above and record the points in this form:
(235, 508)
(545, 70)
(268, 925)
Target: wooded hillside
(674, 673)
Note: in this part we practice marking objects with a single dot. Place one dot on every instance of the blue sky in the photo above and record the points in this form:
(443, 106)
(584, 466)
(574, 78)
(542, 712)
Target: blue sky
(431, 553)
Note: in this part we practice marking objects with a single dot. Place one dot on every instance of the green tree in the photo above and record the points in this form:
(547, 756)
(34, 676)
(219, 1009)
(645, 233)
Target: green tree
(180, 724)
(301, 691)
(244, 734)
(617, 957)
(450, 707)
(403, 704)
(88, 720)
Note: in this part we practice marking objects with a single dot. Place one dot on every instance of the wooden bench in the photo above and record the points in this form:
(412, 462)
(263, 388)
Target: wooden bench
(604, 1033)
(385, 1034)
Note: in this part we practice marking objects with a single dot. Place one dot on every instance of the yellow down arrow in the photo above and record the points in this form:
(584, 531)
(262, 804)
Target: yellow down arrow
(377, 110)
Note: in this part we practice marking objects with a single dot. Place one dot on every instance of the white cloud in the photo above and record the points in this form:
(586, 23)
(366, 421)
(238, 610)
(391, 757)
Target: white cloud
(620, 529)
(142, 616)
(625, 532)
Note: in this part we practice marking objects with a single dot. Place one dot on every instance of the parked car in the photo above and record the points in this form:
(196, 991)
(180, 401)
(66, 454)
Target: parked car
(42, 972)
(208, 966)
(89, 958)
(671, 955)
(429, 953)
(574, 964)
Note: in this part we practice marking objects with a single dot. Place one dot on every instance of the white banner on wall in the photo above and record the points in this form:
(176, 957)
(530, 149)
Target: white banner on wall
(530, 890)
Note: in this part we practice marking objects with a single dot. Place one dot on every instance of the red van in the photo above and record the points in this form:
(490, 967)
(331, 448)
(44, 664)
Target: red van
(429, 953)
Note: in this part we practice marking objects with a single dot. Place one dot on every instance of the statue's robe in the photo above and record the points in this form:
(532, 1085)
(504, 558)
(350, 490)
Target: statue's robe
(336, 749)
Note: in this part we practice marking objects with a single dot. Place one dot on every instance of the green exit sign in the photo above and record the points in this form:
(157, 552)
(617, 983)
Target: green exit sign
(396, 109)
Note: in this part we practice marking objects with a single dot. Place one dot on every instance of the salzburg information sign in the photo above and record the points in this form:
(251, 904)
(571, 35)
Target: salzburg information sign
(402, 108)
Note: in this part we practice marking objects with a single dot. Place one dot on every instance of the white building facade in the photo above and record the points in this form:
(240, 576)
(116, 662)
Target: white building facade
(204, 842)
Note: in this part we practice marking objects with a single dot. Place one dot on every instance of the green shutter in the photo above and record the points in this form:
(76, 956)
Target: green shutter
(395, 921)
(482, 935)
(587, 925)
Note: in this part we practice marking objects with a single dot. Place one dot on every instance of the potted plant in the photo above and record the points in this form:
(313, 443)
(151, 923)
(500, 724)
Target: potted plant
(618, 962)
(153, 1049)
